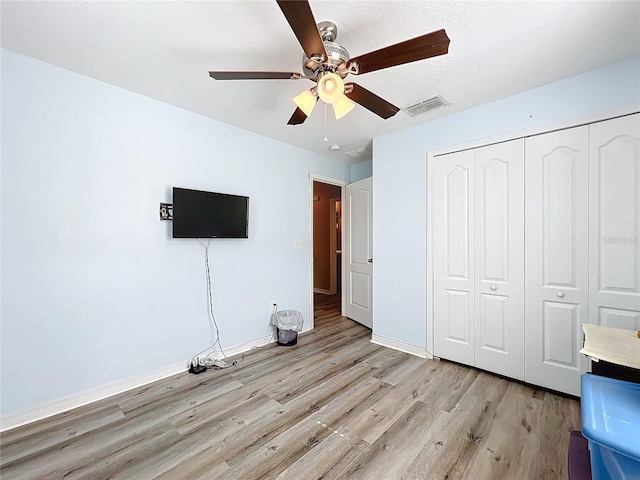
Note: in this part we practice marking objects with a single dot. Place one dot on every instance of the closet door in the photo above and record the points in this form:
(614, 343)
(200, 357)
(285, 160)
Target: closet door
(556, 258)
(499, 258)
(614, 205)
(453, 265)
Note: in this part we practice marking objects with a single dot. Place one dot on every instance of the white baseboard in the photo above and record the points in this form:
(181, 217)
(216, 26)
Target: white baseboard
(402, 346)
(245, 347)
(322, 291)
(75, 400)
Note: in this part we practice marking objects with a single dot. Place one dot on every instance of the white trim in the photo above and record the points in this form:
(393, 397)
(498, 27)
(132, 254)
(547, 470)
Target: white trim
(323, 179)
(331, 181)
(333, 244)
(343, 297)
(402, 346)
(540, 129)
(245, 347)
(75, 400)
(430, 240)
(323, 291)
(537, 130)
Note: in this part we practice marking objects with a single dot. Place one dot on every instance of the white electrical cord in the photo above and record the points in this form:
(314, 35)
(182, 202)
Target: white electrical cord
(208, 360)
(274, 329)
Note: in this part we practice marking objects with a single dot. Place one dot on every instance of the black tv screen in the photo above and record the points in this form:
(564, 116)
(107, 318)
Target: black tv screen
(198, 214)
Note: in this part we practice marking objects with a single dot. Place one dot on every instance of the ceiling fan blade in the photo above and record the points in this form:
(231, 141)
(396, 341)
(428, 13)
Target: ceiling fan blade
(254, 75)
(297, 118)
(300, 17)
(371, 101)
(427, 46)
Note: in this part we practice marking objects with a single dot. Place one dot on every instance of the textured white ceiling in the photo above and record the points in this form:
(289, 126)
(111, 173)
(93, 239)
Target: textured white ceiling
(164, 50)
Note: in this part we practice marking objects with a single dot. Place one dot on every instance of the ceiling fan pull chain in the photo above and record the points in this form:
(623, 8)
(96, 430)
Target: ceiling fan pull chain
(325, 123)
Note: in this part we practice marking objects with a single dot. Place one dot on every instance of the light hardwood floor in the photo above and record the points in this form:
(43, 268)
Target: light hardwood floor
(334, 406)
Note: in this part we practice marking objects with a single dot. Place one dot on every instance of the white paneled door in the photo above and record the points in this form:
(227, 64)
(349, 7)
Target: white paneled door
(499, 258)
(556, 258)
(453, 259)
(478, 257)
(614, 205)
(358, 230)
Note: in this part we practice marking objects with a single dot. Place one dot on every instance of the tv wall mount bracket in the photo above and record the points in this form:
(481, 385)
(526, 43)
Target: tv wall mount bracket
(166, 211)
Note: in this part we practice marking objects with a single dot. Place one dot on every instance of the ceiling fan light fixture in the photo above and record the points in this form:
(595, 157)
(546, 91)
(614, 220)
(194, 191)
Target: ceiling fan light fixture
(330, 87)
(342, 106)
(306, 101)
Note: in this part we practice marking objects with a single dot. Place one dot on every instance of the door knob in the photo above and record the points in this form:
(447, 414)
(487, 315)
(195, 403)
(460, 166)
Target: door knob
(370, 260)
(493, 287)
(560, 294)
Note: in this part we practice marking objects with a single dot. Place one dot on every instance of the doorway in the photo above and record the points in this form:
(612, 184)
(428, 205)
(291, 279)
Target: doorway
(327, 196)
(327, 238)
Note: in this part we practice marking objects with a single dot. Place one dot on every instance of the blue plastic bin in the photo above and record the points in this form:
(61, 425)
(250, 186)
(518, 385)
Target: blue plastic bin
(611, 423)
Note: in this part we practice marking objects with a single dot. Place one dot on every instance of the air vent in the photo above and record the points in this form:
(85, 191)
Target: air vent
(426, 105)
(360, 154)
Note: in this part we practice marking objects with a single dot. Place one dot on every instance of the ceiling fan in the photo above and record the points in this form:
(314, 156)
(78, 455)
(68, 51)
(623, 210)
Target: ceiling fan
(327, 64)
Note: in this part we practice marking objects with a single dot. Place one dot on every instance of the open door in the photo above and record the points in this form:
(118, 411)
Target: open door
(358, 251)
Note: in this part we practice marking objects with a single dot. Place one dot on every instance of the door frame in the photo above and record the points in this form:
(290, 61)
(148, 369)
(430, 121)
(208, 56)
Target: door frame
(538, 130)
(333, 245)
(314, 177)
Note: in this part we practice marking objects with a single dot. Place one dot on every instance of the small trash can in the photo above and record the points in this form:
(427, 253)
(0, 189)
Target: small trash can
(287, 338)
(288, 323)
(611, 422)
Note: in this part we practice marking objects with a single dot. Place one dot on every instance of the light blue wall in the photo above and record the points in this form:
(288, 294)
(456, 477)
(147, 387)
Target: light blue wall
(94, 289)
(361, 170)
(399, 191)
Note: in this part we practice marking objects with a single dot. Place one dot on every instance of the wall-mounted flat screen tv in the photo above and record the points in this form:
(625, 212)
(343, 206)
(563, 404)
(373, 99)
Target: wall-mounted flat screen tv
(198, 214)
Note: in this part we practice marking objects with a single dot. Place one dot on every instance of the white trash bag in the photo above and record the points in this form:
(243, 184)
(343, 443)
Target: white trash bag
(288, 323)
(289, 320)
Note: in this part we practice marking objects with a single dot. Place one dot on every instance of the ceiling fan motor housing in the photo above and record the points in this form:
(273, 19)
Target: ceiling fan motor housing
(337, 60)
(337, 54)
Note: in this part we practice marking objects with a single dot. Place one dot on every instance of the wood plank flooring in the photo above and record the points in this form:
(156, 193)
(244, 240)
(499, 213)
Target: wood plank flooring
(333, 406)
